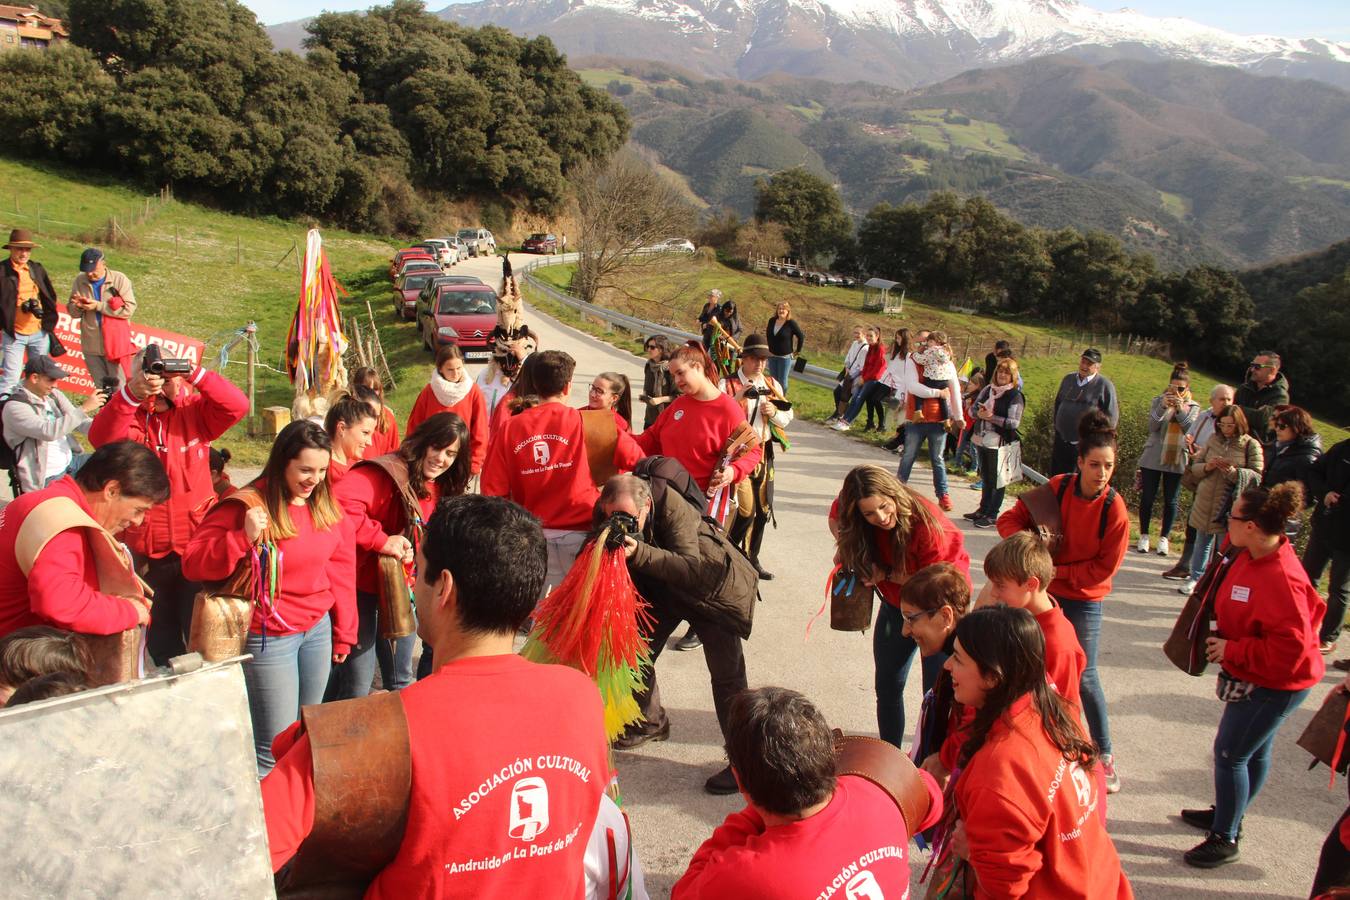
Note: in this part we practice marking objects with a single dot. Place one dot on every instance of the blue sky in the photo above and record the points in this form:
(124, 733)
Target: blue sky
(1299, 18)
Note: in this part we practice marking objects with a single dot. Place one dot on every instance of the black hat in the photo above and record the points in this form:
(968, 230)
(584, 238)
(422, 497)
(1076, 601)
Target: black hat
(89, 259)
(43, 365)
(1093, 354)
(756, 345)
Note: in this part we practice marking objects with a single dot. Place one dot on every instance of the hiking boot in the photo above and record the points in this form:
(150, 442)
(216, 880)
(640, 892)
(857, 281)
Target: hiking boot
(764, 574)
(945, 502)
(893, 444)
(690, 641)
(1109, 771)
(1179, 572)
(637, 735)
(722, 783)
(972, 516)
(1212, 852)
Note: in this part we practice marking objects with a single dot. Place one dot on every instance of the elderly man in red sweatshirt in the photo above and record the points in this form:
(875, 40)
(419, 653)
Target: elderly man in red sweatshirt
(179, 426)
(539, 459)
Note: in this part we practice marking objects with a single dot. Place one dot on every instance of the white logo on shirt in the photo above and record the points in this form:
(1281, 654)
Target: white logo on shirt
(1241, 594)
(679, 414)
(863, 886)
(529, 809)
(1082, 784)
(541, 453)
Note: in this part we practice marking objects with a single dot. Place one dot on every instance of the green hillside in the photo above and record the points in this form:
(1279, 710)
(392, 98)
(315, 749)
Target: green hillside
(204, 273)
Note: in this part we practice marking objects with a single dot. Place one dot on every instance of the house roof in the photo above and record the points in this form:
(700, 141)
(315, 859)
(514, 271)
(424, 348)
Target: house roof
(32, 17)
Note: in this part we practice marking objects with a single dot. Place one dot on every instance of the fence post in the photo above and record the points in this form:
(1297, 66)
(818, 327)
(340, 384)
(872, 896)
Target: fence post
(250, 330)
(175, 249)
(39, 219)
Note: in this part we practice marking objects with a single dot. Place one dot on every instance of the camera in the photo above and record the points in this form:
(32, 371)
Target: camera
(753, 392)
(154, 363)
(109, 385)
(620, 525)
(32, 307)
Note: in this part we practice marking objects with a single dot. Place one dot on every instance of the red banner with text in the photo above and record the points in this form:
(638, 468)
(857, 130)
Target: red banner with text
(176, 346)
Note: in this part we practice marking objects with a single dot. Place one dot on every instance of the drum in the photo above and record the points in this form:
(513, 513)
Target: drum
(396, 611)
(219, 625)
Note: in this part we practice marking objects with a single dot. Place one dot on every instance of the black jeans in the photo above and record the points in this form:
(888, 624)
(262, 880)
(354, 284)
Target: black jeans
(1333, 866)
(1318, 554)
(991, 498)
(1171, 485)
(171, 608)
(721, 651)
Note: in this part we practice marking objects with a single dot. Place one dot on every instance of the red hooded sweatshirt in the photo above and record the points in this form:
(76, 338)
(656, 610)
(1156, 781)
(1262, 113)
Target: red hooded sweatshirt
(1085, 563)
(1031, 818)
(694, 432)
(472, 408)
(318, 570)
(925, 547)
(1270, 615)
(62, 587)
(371, 501)
(181, 437)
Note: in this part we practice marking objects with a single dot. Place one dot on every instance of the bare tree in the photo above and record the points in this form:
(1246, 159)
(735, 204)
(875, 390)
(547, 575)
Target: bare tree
(623, 207)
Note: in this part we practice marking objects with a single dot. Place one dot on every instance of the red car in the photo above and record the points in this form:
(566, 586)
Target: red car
(462, 314)
(406, 291)
(540, 243)
(402, 256)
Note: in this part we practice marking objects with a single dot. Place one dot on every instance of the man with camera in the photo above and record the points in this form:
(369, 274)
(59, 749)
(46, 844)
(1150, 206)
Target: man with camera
(688, 571)
(39, 423)
(769, 412)
(102, 301)
(155, 408)
(27, 308)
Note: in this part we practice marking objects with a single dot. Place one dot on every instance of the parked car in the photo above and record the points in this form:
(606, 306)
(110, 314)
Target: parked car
(462, 314)
(400, 256)
(459, 279)
(458, 249)
(442, 251)
(415, 264)
(673, 245)
(406, 291)
(539, 242)
(479, 241)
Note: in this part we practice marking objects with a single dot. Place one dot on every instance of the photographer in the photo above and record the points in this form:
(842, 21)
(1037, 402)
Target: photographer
(39, 422)
(27, 308)
(67, 570)
(102, 302)
(687, 570)
(153, 409)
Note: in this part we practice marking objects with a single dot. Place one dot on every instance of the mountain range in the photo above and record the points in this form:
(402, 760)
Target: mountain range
(901, 43)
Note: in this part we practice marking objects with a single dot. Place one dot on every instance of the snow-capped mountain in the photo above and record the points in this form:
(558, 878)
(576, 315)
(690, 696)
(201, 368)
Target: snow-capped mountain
(899, 42)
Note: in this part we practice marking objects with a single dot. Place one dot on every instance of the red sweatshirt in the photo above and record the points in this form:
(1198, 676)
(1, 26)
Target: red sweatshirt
(62, 587)
(337, 471)
(874, 366)
(472, 409)
(857, 846)
(497, 810)
(385, 439)
(373, 504)
(1270, 615)
(1064, 656)
(694, 432)
(925, 548)
(181, 437)
(539, 460)
(318, 573)
(1085, 564)
(1031, 818)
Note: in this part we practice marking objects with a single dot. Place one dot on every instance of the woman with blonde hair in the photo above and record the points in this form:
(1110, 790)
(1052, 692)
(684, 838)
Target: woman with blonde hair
(884, 533)
(785, 338)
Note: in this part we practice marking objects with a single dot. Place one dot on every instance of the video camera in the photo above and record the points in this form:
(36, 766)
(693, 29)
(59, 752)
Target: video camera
(620, 525)
(752, 393)
(154, 363)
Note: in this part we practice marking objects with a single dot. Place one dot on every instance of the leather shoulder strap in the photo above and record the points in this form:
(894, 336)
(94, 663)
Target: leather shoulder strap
(889, 769)
(601, 434)
(397, 470)
(116, 572)
(362, 784)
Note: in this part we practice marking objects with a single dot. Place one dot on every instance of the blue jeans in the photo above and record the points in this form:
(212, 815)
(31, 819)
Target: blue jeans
(871, 393)
(1086, 618)
(991, 498)
(353, 677)
(1204, 543)
(779, 367)
(1171, 497)
(16, 349)
(1242, 750)
(285, 674)
(892, 654)
(966, 449)
(936, 435)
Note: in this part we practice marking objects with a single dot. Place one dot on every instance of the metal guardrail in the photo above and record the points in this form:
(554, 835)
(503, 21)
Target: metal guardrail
(816, 375)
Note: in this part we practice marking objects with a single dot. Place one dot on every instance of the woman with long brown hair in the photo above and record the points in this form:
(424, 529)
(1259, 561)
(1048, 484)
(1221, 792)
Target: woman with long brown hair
(300, 544)
(612, 391)
(884, 533)
(367, 386)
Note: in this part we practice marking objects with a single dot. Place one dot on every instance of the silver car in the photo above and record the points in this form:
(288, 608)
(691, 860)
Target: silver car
(479, 241)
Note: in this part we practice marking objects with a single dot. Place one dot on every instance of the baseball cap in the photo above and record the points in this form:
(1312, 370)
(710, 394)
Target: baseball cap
(1092, 354)
(89, 259)
(43, 365)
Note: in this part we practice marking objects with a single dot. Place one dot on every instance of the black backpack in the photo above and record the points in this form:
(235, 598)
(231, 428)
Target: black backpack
(1106, 507)
(9, 456)
(665, 473)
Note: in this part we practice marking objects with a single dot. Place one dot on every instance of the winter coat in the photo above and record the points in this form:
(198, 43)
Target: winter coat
(685, 561)
(91, 333)
(1258, 404)
(1331, 472)
(1292, 462)
(1213, 492)
(1151, 456)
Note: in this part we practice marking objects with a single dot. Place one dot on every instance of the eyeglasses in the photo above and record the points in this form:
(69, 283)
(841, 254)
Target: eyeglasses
(911, 618)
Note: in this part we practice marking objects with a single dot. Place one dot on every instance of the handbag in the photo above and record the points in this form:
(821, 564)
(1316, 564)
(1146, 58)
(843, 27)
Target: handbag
(1232, 690)
(1324, 737)
(799, 365)
(1189, 480)
(1185, 646)
(1010, 465)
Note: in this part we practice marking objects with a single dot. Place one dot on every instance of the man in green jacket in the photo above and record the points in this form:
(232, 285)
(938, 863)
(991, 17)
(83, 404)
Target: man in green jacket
(1265, 388)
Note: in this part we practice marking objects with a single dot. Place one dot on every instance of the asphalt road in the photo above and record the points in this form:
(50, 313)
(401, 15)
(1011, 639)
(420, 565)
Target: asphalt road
(1162, 721)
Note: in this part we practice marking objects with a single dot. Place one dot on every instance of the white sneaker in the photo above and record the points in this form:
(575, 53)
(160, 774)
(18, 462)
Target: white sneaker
(1187, 587)
(841, 425)
(1143, 544)
(1163, 546)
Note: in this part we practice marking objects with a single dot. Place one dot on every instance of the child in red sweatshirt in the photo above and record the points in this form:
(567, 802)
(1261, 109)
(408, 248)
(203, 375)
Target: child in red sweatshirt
(452, 390)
